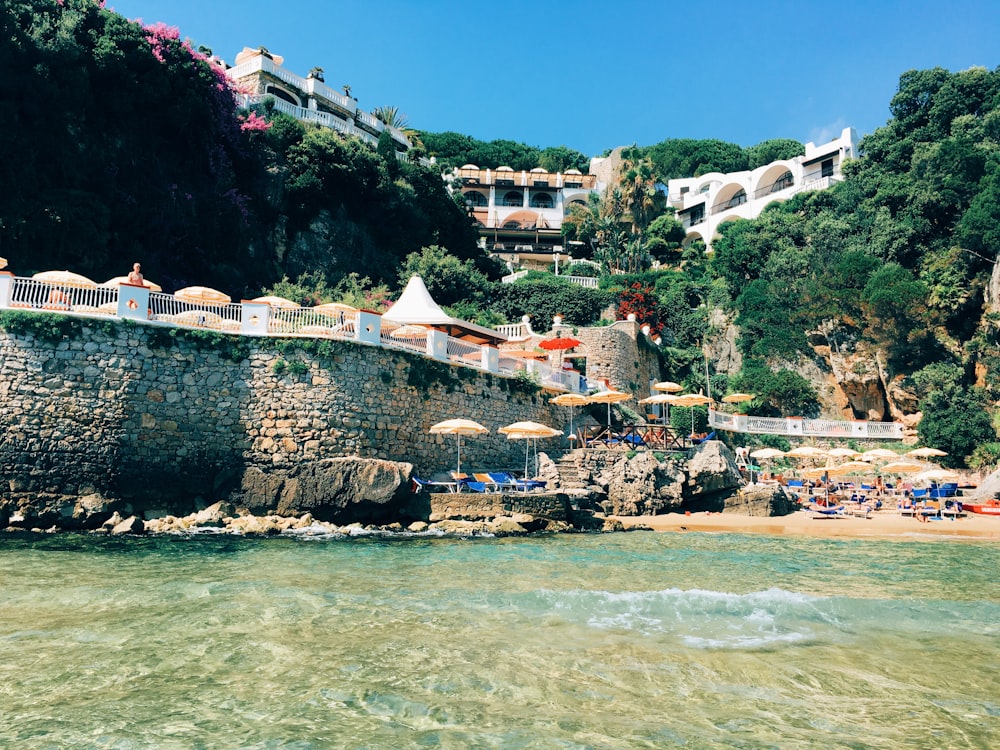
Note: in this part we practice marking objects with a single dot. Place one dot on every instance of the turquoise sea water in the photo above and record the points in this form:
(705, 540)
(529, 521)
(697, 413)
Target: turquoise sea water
(636, 640)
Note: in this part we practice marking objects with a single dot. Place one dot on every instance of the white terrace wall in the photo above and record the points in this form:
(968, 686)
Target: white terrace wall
(124, 410)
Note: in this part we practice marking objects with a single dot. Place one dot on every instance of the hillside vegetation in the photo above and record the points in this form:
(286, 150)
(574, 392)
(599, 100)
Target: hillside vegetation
(122, 143)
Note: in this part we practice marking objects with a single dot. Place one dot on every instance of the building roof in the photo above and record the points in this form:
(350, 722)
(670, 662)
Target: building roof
(415, 306)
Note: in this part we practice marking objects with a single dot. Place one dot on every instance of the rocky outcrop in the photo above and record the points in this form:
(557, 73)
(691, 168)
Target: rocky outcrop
(711, 470)
(759, 500)
(637, 484)
(337, 490)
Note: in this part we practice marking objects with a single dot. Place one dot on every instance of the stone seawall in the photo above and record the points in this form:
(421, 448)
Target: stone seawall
(123, 412)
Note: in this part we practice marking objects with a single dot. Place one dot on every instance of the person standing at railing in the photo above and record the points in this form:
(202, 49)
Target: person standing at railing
(135, 275)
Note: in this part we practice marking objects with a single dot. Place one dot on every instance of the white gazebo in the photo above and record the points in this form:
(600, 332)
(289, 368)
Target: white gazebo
(415, 306)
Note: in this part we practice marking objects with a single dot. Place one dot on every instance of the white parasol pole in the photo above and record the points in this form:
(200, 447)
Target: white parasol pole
(459, 470)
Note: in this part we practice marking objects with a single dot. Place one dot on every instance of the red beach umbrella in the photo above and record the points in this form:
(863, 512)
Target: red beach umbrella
(558, 344)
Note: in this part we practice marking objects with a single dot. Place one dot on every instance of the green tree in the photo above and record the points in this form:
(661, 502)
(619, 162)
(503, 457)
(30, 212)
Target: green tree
(448, 279)
(776, 149)
(955, 421)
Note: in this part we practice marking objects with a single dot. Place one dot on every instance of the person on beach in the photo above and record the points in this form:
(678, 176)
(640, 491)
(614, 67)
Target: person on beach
(135, 275)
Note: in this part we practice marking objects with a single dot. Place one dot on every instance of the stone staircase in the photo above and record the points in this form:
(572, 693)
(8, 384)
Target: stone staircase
(571, 474)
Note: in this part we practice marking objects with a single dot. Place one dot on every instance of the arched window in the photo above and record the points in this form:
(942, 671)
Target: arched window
(541, 200)
(785, 181)
(738, 199)
(476, 198)
(278, 93)
(513, 199)
(511, 225)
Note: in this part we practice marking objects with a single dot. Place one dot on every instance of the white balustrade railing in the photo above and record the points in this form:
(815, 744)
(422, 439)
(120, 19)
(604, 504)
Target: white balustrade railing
(797, 426)
(304, 321)
(166, 308)
(512, 277)
(400, 338)
(513, 330)
(510, 365)
(257, 319)
(463, 351)
(42, 295)
(587, 281)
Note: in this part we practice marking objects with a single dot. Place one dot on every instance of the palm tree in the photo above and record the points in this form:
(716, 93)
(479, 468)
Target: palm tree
(392, 117)
(640, 198)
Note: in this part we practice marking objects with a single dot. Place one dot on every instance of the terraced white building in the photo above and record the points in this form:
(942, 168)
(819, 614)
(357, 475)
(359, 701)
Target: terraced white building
(704, 203)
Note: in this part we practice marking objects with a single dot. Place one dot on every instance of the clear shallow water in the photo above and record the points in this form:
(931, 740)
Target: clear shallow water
(636, 640)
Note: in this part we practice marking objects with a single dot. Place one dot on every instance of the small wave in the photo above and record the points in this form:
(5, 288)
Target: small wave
(701, 618)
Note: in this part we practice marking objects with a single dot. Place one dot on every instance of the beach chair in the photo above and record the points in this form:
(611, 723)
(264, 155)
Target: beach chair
(472, 484)
(508, 481)
(420, 485)
(487, 480)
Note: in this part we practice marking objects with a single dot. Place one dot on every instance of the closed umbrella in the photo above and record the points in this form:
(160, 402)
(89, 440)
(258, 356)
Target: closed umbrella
(202, 294)
(458, 427)
(527, 431)
(570, 400)
(3, 263)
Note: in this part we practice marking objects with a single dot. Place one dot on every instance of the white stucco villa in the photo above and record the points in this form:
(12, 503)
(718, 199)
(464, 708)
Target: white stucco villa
(704, 203)
(261, 75)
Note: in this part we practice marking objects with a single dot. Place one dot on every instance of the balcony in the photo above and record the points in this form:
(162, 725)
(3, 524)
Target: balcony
(735, 201)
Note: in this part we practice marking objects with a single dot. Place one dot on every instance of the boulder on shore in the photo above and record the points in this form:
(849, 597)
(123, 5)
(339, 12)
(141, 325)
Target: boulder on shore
(336, 490)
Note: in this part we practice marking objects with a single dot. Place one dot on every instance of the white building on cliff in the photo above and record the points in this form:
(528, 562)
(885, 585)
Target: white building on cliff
(704, 203)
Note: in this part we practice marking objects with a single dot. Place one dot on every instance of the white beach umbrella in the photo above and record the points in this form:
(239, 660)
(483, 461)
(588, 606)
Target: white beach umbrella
(609, 397)
(528, 431)
(570, 400)
(458, 427)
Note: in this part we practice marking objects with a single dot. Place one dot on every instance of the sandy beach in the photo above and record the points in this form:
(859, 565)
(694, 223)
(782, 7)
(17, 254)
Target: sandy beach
(885, 524)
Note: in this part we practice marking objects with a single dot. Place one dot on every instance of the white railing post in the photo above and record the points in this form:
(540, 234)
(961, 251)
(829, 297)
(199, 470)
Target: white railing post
(255, 318)
(490, 359)
(794, 425)
(437, 344)
(369, 328)
(133, 302)
(6, 288)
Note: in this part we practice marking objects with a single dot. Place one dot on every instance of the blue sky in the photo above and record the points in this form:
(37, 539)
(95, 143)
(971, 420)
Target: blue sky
(594, 74)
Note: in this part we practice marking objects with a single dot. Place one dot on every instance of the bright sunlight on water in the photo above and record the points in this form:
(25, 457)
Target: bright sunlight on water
(635, 640)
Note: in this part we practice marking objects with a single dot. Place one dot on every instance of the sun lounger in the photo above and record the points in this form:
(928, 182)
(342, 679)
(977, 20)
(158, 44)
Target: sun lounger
(507, 481)
(421, 484)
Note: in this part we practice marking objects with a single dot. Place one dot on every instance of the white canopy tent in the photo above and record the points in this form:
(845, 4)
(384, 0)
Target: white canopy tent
(415, 306)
